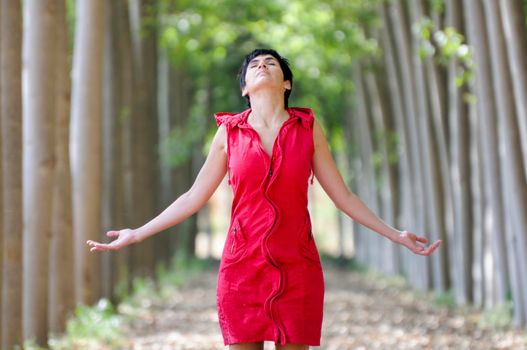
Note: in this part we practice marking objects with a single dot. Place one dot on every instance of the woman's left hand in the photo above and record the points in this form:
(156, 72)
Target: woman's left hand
(413, 242)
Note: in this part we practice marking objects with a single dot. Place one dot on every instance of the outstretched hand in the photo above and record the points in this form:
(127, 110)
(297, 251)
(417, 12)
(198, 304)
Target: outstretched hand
(124, 237)
(413, 242)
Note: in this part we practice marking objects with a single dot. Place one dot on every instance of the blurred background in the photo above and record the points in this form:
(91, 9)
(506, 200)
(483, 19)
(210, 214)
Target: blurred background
(106, 116)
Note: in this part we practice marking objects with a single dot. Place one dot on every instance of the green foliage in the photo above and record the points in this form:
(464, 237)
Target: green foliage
(209, 39)
(70, 19)
(179, 146)
(181, 270)
(445, 299)
(29, 345)
(498, 317)
(91, 326)
(437, 6)
(445, 46)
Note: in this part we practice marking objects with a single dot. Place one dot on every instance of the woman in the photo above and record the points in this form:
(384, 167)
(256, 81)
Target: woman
(270, 281)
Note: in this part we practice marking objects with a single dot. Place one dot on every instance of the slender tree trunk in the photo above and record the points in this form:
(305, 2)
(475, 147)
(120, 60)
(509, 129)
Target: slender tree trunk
(432, 185)
(514, 186)
(498, 278)
(438, 177)
(86, 144)
(180, 109)
(417, 269)
(110, 140)
(460, 170)
(380, 112)
(62, 289)
(367, 170)
(479, 240)
(395, 84)
(145, 128)
(39, 164)
(1, 201)
(166, 189)
(112, 184)
(11, 180)
(514, 28)
(123, 271)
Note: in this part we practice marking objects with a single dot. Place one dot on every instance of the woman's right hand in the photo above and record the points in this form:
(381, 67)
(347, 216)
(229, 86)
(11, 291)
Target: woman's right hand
(124, 237)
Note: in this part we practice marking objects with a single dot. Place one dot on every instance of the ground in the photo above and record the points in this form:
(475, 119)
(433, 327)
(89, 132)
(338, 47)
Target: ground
(361, 312)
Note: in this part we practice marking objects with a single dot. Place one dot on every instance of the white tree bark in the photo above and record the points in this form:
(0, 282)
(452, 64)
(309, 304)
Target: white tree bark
(514, 186)
(461, 243)
(86, 144)
(514, 28)
(497, 277)
(39, 164)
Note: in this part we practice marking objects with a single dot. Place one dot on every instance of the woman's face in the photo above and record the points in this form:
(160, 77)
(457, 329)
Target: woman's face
(264, 71)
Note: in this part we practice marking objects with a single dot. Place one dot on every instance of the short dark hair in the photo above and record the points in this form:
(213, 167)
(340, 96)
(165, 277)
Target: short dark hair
(284, 65)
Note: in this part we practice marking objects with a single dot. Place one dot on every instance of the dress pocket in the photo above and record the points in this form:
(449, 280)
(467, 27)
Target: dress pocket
(308, 245)
(235, 244)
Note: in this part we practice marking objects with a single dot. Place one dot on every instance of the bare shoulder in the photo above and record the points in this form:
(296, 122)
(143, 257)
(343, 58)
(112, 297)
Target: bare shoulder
(219, 142)
(319, 137)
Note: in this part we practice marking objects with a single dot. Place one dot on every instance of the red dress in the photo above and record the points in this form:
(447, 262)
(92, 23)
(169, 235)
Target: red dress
(270, 279)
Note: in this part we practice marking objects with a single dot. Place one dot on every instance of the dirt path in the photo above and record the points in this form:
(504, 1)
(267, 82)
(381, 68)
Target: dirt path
(360, 313)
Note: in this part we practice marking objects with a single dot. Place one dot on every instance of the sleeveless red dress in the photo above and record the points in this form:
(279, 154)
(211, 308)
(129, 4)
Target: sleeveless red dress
(270, 279)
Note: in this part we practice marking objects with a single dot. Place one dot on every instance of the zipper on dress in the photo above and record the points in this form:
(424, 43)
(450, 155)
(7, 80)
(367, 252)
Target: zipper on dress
(233, 246)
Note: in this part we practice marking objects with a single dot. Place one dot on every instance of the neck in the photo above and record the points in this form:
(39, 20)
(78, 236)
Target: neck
(267, 107)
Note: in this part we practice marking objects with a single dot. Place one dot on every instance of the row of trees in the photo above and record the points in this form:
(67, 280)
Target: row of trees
(105, 107)
(451, 83)
(79, 146)
(102, 122)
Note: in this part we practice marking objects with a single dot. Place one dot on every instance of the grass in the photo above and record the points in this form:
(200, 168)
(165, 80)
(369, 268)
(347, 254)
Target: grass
(103, 323)
(498, 317)
(91, 326)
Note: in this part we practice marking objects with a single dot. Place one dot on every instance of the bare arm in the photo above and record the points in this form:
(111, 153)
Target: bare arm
(207, 181)
(331, 181)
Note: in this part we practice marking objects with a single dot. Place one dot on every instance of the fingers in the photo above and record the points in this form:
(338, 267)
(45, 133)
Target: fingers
(421, 239)
(430, 249)
(96, 246)
(112, 233)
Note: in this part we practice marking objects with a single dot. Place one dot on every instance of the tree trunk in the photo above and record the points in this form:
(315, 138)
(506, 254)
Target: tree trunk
(1, 199)
(514, 186)
(395, 85)
(380, 114)
(86, 144)
(39, 164)
(460, 170)
(432, 187)
(417, 271)
(180, 110)
(112, 184)
(11, 168)
(166, 188)
(122, 267)
(439, 169)
(145, 129)
(367, 171)
(514, 27)
(497, 280)
(62, 289)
